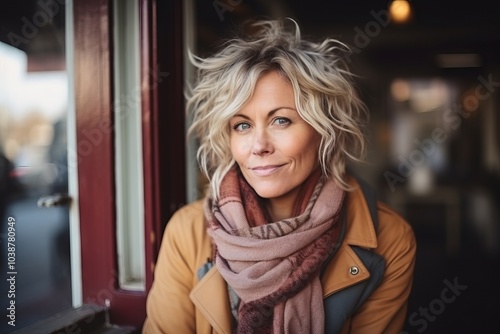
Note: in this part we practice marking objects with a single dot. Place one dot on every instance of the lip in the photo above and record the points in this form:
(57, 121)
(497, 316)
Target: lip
(266, 170)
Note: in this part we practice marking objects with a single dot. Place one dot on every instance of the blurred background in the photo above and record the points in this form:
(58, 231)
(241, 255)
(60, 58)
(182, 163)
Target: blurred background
(429, 72)
(33, 159)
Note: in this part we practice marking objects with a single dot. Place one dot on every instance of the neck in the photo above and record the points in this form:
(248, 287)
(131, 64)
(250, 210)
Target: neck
(281, 208)
(293, 203)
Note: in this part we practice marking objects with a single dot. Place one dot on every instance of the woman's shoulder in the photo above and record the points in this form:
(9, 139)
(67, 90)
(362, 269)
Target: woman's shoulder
(394, 232)
(389, 218)
(189, 217)
(191, 210)
(186, 236)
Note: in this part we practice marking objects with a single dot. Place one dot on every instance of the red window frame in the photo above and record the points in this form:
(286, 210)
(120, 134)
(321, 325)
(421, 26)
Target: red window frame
(163, 144)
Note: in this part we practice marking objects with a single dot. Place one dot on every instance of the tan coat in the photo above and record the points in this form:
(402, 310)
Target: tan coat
(178, 303)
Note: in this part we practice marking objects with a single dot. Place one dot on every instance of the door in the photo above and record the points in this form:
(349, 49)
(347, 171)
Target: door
(35, 274)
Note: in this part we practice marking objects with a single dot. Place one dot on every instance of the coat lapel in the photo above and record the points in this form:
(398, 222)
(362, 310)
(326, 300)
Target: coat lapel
(211, 298)
(346, 268)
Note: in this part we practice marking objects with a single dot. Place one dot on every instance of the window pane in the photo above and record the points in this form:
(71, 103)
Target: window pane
(128, 147)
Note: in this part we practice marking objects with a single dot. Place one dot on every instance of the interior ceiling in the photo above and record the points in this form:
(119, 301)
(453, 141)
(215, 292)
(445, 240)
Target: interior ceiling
(444, 26)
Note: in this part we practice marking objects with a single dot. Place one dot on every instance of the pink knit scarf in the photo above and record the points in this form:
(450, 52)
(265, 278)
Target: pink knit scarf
(274, 266)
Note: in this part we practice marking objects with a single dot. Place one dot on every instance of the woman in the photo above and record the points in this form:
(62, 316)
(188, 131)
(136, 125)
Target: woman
(284, 242)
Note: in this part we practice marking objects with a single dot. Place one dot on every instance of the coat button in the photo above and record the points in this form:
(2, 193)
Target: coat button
(353, 270)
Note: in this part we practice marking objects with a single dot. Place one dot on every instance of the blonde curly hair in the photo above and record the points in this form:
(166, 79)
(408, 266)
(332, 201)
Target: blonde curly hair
(322, 83)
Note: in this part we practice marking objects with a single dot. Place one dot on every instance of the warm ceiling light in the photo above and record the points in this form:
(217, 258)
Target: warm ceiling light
(400, 90)
(400, 11)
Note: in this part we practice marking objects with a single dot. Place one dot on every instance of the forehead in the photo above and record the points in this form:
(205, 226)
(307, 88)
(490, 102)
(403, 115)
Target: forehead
(271, 91)
(272, 79)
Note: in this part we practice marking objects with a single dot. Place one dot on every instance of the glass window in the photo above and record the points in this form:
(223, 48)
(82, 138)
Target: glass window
(34, 202)
(128, 146)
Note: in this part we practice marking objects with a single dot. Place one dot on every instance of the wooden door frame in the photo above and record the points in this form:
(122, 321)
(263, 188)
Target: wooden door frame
(163, 139)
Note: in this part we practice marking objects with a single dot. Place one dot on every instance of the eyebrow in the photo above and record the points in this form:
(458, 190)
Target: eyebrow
(269, 114)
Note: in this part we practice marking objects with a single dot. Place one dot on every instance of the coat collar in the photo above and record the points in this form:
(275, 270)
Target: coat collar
(344, 270)
(360, 229)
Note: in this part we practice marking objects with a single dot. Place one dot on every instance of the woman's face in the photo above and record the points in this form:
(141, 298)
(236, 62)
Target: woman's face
(274, 147)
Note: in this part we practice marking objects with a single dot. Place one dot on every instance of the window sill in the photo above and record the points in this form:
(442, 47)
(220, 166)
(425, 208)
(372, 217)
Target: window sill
(91, 319)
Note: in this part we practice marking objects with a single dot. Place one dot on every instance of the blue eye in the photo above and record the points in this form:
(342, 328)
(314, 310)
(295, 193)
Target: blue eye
(282, 121)
(241, 126)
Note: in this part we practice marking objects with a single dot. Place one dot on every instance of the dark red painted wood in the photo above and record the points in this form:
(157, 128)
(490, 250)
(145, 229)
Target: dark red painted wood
(149, 146)
(163, 119)
(94, 127)
(163, 143)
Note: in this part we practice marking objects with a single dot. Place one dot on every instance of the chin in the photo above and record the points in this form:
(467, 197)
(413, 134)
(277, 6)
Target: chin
(267, 192)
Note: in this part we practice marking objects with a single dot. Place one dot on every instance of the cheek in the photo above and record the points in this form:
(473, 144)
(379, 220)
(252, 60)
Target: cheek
(307, 150)
(239, 147)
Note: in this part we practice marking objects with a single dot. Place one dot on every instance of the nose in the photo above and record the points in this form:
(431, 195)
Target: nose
(262, 144)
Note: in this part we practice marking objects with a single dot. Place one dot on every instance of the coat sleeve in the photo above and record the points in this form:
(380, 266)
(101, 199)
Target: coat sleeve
(168, 307)
(385, 310)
